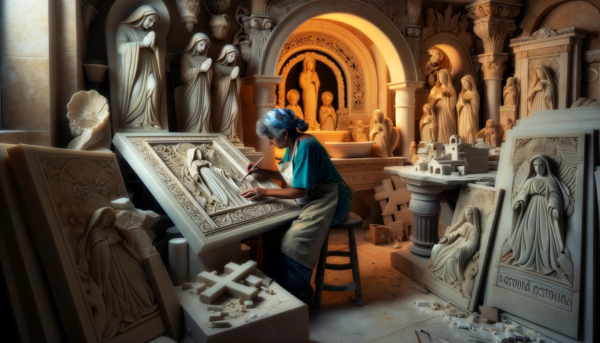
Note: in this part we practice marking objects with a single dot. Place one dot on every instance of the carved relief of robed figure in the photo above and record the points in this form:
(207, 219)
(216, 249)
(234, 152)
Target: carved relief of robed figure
(537, 240)
(310, 84)
(192, 99)
(140, 70)
(468, 110)
(541, 96)
(226, 97)
(450, 256)
(428, 124)
(443, 99)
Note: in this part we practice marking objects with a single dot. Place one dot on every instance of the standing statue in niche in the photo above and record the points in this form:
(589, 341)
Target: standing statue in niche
(327, 115)
(428, 124)
(140, 71)
(450, 256)
(192, 99)
(468, 110)
(293, 96)
(115, 267)
(511, 92)
(384, 134)
(443, 100)
(226, 95)
(541, 97)
(359, 134)
(310, 84)
(537, 240)
(214, 181)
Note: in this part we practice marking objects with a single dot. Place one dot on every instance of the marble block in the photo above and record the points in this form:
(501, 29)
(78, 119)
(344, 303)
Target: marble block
(365, 173)
(31, 299)
(550, 297)
(72, 223)
(464, 293)
(279, 317)
(180, 170)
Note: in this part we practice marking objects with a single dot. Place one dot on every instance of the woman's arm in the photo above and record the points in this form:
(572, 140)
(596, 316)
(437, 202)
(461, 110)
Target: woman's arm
(268, 173)
(286, 193)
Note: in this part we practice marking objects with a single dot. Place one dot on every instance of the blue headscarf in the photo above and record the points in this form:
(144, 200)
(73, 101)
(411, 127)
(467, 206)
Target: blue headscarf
(280, 119)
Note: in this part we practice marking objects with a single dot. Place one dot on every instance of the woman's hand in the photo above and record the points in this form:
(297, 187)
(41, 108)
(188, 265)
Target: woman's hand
(444, 240)
(256, 169)
(254, 194)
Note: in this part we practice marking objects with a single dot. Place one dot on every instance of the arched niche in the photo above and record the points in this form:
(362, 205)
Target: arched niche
(381, 30)
(538, 10)
(365, 74)
(120, 11)
(456, 51)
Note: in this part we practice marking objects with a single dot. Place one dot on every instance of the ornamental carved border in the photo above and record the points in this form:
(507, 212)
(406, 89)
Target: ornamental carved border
(337, 48)
(317, 57)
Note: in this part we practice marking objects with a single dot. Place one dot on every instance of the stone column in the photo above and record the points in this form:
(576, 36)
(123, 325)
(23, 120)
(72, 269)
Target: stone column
(413, 31)
(405, 112)
(494, 21)
(265, 100)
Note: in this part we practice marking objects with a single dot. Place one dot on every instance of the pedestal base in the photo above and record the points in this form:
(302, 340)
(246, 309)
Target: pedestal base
(268, 322)
(421, 250)
(409, 264)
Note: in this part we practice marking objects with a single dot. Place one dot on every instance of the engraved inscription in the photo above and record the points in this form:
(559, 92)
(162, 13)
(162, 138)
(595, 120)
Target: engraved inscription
(536, 289)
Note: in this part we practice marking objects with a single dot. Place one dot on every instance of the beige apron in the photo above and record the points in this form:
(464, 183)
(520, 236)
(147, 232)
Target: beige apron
(302, 242)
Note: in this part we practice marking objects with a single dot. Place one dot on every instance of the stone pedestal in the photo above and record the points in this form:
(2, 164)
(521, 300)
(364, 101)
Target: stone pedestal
(409, 264)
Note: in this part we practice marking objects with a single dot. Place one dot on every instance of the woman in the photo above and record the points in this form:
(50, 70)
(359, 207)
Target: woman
(541, 97)
(451, 254)
(192, 99)
(309, 82)
(443, 100)
(226, 97)
(468, 110)
(428, 124)
(541, 206)
(139, 70)
(290, 254)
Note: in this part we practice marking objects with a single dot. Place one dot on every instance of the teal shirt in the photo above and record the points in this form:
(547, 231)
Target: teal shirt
(313, 165)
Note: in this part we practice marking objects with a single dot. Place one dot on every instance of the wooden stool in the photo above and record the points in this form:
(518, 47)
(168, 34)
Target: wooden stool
(353, 221)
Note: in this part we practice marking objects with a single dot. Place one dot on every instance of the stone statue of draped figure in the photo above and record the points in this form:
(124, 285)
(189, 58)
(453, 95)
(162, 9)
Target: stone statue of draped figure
(468, 110)
(192, 99)
(542, 95)
(428, 124)
(450, 256)
(214, 181)
(537, 240)
(384, 134)
(511, 92)
(227, 107)
(443, 100)
(310, 84)
(140, 68)
(115, 268)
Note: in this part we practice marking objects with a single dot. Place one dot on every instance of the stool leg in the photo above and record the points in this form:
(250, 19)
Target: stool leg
(319, 278)
(354, 262)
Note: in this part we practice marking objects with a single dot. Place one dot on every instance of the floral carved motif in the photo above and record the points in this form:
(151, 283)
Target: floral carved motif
(493, 33)
(492, 9)
(543, 33)
(336, 48)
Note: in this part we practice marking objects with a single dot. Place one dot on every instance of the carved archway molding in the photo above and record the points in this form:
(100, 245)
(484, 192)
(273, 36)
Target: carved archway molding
(334, 47)
(317, 57)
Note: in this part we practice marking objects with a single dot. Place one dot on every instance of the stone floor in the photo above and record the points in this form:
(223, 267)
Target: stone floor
(389, 313)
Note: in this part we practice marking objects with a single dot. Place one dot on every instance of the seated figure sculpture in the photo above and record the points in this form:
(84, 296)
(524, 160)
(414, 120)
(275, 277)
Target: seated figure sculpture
(293, 96)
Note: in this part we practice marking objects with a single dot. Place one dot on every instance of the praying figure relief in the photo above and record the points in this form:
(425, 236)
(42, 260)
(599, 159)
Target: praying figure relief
(115, 268)
(468, 110)
(140, 71)
(192, 99)
(327, 115)
(226, 94)
(450, 256)
(511, 92)
(384, 134)
(443, 100)
(310, 84)
(428, 124)
(541, 96)
(293, 96)
(359, 134)
(537, 239)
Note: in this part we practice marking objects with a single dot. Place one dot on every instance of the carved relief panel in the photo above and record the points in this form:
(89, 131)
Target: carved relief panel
(458, 263)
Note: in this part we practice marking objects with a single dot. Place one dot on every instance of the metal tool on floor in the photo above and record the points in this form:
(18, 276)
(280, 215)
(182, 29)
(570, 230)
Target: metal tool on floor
(428, 335)
(417, 337)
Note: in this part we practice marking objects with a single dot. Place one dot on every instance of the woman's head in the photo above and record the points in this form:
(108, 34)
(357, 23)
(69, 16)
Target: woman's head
(427, 109)
(144, 17)
(198, 44)
(279, 126)
(309, 64)
(228, 55)
(539, 165)
(469, 214)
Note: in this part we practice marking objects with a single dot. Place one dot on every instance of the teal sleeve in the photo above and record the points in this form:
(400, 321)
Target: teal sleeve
(305, 167)
(286, 156)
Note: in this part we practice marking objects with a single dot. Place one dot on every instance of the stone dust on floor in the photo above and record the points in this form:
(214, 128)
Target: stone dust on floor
(389, 312)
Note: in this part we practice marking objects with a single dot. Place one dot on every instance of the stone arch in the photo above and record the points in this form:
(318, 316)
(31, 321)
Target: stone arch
(364, 17)
(531, 20)
(456, 50)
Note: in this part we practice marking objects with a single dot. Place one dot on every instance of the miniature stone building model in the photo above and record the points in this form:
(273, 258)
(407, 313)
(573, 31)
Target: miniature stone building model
(461, 158)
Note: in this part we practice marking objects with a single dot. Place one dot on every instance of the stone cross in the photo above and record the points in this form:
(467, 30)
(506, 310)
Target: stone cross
(228, 283)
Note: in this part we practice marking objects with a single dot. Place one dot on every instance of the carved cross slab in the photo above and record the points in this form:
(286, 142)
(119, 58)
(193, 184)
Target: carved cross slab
(391, 195)
(219, 285)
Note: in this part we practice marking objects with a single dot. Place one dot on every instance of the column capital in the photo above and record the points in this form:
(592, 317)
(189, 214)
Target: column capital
(493, 8)
(493, 65)
(493, 22)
